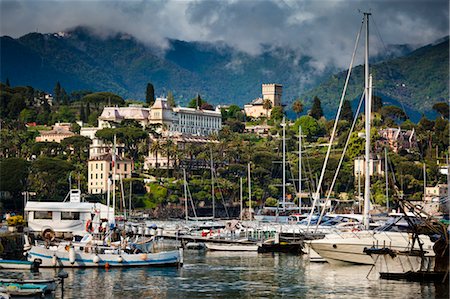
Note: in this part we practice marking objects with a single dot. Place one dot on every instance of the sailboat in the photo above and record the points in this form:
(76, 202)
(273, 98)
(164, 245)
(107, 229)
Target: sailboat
(349, 247)
(272, 214)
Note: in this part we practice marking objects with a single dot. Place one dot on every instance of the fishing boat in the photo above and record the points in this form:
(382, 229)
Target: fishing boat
(22, 290)
(72, 216)
(50, 283)
(20, 265)
(92, 253)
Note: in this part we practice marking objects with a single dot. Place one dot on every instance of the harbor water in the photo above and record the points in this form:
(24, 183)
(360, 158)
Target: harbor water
(240, 275)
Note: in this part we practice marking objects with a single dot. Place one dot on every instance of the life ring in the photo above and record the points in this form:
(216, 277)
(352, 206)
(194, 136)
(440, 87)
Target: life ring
(89, 226)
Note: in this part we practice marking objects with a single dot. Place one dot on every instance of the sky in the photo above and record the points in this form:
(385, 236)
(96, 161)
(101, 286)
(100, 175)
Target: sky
(322, 29)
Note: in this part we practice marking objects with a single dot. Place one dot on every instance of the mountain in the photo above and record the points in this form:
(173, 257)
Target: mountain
(80, 60)
(415, 82)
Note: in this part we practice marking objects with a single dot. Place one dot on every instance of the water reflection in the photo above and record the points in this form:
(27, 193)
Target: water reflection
(239, 275)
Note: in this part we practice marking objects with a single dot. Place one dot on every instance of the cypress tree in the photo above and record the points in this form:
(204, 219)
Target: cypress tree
(171, 99)
(82, 113)
(88, 111)
(150, 94)
(316, 110)
(7, 82)
(57, 92)
(347, 113)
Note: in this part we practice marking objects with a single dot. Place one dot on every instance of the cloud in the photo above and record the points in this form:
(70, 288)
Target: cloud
(323, 29)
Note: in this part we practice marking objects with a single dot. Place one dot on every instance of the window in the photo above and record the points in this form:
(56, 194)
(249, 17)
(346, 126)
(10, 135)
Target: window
(43, 215)
(101, 167)
(96, 176)
(125, 167)
(96, 165)
(70, 215)
(101, 175)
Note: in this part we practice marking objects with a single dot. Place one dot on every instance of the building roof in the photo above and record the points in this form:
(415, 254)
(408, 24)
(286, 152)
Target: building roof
(57, 130)
(161, 103)
(118, 113)
(197, 111)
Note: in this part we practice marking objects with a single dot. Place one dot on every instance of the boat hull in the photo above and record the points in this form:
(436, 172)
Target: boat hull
(60, 258)
(344, 249)
(231, 247)
(19, 265)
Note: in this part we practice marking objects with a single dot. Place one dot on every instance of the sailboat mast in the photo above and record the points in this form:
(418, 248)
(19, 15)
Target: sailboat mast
(300, 168)
(185, 195)
(212, 187)
(284, 163)
(114, 179)
(367, 88)
(249, 193)
(240, 194)
(387, 178)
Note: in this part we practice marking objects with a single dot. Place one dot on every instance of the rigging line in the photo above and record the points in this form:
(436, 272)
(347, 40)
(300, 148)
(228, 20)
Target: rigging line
(192, 202)
(387, 65)
(344, 90)
(355, 119)
(220, 192)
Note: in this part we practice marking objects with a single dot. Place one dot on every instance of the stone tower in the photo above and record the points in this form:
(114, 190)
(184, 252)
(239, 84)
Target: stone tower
(272, 92)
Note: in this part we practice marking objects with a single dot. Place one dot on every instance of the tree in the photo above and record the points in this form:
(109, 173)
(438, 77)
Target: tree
(57, 92)
(49, 177)
(377, 103)
(7, 82)
(64, 97)
(16, 105)
(267, 105)
(297, 107)
(103, 98)
(277, 113)
(155, 148)
(82, 113)
(316, 110)
(13, 176)
(393, 112)
(78, 144)
(310, 127)
(347, 113)
(196, 102)
(88, 111)
(171, 99)
(150, 94)
(442, 108)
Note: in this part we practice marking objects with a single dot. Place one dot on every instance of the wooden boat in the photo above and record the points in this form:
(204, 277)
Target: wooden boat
(50, 284)
(30, 290)
(83, 255)
(20, 265)
(232, 246)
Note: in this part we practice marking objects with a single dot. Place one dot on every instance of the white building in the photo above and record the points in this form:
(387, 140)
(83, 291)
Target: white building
(375, 167)
(175, 120)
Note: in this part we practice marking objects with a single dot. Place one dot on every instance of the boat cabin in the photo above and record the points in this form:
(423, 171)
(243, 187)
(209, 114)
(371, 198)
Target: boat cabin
(73, 216)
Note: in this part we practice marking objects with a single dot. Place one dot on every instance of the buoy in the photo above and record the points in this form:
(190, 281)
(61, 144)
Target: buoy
(143, 257)
(96, 259)
(107, 265)
(54, 260)
(72, 255)
(120, 259)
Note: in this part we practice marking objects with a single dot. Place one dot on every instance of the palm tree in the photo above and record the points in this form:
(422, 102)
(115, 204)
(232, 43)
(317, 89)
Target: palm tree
(267, 105)
(297, 107)
(155, 147)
